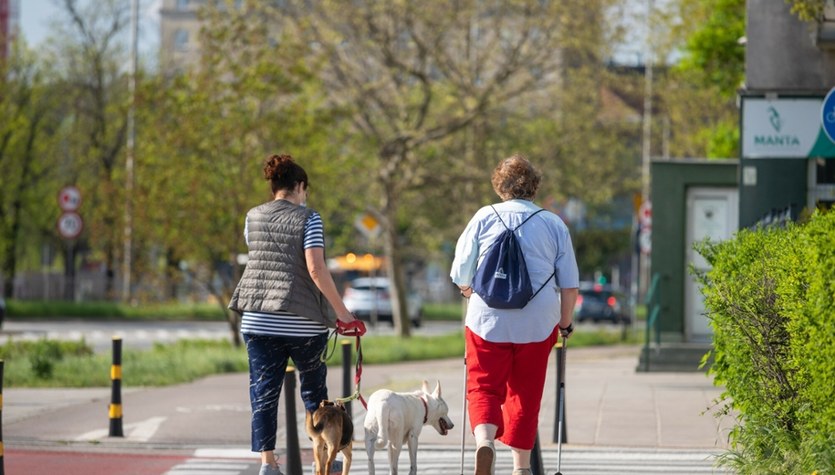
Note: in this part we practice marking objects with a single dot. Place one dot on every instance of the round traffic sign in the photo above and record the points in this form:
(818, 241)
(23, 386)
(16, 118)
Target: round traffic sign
(70, 225)
(645, 213)
(828, 114)
(69, 198)
(645, 240)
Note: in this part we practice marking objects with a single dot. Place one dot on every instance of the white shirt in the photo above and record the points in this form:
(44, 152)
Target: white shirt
(546, 245)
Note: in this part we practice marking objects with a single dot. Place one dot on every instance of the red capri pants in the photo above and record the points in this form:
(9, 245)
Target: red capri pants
(504, 386)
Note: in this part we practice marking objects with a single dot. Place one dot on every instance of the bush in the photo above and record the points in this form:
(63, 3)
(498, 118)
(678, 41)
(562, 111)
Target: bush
(769, 295)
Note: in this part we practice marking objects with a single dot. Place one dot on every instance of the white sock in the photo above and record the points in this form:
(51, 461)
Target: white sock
(485, 432)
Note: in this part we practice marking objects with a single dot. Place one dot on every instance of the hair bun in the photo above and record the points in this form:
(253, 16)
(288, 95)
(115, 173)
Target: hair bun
(277, 165)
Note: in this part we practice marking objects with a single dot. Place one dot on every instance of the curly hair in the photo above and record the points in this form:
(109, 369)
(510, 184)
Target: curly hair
(516, 178)
(283, 173)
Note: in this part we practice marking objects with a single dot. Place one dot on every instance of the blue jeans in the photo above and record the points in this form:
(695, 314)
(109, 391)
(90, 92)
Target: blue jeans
(268, 356)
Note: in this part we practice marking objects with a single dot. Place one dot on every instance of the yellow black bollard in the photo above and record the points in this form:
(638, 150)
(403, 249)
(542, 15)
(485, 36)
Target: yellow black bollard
(116, 391)
(2, 449)
(294, 456)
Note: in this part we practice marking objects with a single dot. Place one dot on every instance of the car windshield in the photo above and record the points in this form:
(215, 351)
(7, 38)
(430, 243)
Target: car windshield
(595, 294)
(368, 287)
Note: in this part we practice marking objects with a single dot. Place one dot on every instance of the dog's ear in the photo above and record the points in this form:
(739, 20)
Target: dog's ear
(425, 387)
(437, 391)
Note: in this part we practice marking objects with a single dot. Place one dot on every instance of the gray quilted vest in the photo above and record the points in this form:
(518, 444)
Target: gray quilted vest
(276, 278)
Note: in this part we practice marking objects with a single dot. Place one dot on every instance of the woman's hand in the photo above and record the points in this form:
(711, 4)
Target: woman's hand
(349, 325)
(466, 291)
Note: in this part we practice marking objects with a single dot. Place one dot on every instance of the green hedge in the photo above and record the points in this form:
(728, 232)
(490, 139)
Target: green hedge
(770, 296)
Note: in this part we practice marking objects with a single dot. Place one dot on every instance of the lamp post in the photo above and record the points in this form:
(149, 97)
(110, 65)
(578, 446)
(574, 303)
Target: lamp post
(646, 141)
(130, 148)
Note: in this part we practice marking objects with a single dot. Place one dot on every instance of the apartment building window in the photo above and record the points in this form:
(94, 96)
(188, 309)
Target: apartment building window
(181, 40)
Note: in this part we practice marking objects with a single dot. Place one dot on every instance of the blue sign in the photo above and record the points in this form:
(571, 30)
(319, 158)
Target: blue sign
(828, 114)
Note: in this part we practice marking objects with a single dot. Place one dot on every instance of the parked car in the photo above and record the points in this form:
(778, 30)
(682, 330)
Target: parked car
(366, 295)
(600, 303)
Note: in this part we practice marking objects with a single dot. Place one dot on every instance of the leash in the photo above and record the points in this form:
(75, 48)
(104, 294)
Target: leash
(356, 329)
(357, 379)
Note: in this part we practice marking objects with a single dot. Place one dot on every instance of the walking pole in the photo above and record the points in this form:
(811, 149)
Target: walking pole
(464, 415)
(561, 378)
(464, 402)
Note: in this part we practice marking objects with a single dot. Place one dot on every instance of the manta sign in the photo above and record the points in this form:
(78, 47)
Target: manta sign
(784, 128)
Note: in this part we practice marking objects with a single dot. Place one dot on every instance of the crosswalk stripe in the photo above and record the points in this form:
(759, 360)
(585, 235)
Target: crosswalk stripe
(434, 460)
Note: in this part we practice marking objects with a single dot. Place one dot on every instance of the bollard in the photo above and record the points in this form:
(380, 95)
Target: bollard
(294, 456)
(560, 379)
(346, 375)
(536, 458)
(116, 390)
(2, 449)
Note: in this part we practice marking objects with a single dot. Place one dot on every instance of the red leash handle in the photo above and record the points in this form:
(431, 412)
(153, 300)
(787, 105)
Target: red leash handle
(355, 328)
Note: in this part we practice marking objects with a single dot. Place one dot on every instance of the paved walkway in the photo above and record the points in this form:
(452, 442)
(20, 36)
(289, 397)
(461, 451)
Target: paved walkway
(617, 420)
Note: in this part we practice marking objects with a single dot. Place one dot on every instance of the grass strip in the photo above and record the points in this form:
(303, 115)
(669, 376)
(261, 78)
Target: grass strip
(73, 364)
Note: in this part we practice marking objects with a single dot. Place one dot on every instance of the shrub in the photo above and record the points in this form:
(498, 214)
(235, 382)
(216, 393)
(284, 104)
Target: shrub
(769, 296)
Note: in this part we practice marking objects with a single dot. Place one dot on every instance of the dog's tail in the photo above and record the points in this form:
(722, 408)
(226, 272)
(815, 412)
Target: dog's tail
(310, 426)
(382, 435)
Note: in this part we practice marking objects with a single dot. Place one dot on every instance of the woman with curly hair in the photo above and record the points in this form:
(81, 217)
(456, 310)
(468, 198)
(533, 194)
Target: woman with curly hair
(287, 300)
(508, 348)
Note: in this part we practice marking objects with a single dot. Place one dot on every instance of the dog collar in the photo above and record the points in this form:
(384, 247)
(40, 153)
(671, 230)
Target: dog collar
(425, 410)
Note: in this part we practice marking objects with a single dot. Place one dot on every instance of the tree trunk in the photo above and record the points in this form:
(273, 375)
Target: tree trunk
(394, 262)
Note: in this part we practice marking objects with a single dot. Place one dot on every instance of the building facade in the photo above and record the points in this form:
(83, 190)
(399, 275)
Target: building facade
(9, 25)
(787, 165)
(179, 35)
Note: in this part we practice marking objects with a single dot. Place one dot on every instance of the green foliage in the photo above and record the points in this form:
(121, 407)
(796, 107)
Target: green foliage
(442, 311)
(699, 92)
(770, 296)
(807, 10)
(43, 354)
(31, 112)
(598, 248)
(73, 364)
(713, 55)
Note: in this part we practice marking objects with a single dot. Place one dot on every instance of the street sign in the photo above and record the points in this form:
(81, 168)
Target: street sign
(69, 198)
(70, 225)
(368, 225)
(828, 114)
(645, 240)
(645, 214)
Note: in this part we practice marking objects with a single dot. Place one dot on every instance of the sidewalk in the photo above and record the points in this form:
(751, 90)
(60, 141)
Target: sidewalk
(608, 405)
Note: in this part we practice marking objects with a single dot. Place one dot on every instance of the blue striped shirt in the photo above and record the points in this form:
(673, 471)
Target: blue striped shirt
(285, 323)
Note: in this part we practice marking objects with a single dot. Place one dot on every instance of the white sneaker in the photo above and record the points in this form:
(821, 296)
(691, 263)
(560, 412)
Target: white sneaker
(336, 467)
(267, 469)
(485, 458)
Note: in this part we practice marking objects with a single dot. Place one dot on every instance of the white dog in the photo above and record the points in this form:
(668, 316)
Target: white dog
(397, 418)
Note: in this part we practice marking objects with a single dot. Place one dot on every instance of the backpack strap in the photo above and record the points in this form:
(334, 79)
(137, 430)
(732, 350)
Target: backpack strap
(500, 218)
(553, 274)
(529, 217)
(520, 224)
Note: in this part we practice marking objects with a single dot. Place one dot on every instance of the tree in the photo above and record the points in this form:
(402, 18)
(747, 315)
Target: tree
(31, 116)
(88, 56)
(414, 75)
(808, 10)
(699, 93)
(204, 135)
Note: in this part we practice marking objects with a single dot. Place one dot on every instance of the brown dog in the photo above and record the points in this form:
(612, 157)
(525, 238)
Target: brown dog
(331, 430)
